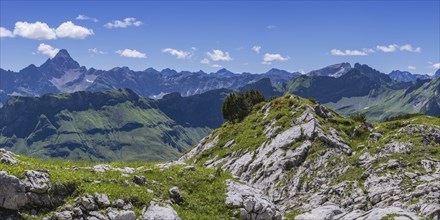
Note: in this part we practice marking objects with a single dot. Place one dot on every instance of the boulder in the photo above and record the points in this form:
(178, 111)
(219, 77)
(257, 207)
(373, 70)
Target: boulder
(100, 168)
(139, 180)
(102, 200)
(114, 214)
(175, 194)
(12, 192)
(36, 181)
(7, 158)
(157, 212)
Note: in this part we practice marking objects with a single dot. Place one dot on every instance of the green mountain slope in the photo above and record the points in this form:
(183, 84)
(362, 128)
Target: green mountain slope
(103, 126)
(423, 97)
(311, 162)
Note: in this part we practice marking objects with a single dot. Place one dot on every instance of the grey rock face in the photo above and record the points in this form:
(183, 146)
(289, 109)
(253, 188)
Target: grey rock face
(157, 212)
(398, 147)
(36, 181)
(202, 146)
(12, 192)
(100, 168)
(88, 203)
(252, 203)
(323, 212)
(7, 158)
(139, 180)
(102, 200)
(114, 214)
(175, 194)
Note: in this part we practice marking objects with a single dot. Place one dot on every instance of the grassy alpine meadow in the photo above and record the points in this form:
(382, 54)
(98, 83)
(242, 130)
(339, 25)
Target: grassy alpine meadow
(203, 190)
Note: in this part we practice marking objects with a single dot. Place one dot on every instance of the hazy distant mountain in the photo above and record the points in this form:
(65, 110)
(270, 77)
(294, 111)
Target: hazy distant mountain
(364, 89)
(335, 70)
(406, 76)
(63, 74)
(437, 73)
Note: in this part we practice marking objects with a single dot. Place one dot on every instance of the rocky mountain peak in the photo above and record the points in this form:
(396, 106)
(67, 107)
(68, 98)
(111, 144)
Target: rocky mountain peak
(59, 64)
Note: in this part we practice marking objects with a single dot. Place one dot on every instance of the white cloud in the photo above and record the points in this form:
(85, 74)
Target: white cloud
(269, 57)
(85, 17)
(436, 65)
(216, 66)
(69, 30)
(388, 49)
(271, 27)
(42, 31)
(256, 49)
(5, 33)
(336, 52)
(218, 55)
(411, 67)
(205, 61)
(96, 51)
(180, 54)
(368, 50)
(124, 23)
(409, 47)
(47, 50)
(36, 31)
(131, 53)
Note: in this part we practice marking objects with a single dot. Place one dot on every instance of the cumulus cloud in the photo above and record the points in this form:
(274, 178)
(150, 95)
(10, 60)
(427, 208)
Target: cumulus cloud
(409, 48)
(269, 58)
(131, 53)
(96, 51)
(127, 22)
(36, 31)
(180, 54)
(387, 49)
(218, 55)
(205, 61)
(411, 67)
(5, 33)
(336, 52)
(394, 47)
(85, 17)
(216, 66)
(42, 31)
(436, 65)
(47, 50)
(69, 30)
(256, 49)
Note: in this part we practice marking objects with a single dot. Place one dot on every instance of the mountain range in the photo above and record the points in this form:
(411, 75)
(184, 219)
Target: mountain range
(79, 113)
(62, 74)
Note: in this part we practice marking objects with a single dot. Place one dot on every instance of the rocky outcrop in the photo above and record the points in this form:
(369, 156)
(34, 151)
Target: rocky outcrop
(318, 165)
(251, 202)
(12, 192)
(333, 212)
(7, 157)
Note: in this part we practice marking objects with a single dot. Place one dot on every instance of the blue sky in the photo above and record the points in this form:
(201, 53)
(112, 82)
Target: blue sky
(242, 36)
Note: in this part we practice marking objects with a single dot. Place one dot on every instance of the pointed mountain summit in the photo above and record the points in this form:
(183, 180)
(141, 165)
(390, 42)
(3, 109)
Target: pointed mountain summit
(223, 73)
(61, 63)
(278, 72)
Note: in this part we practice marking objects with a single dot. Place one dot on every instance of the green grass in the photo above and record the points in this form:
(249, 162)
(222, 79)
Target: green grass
(204, 189)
